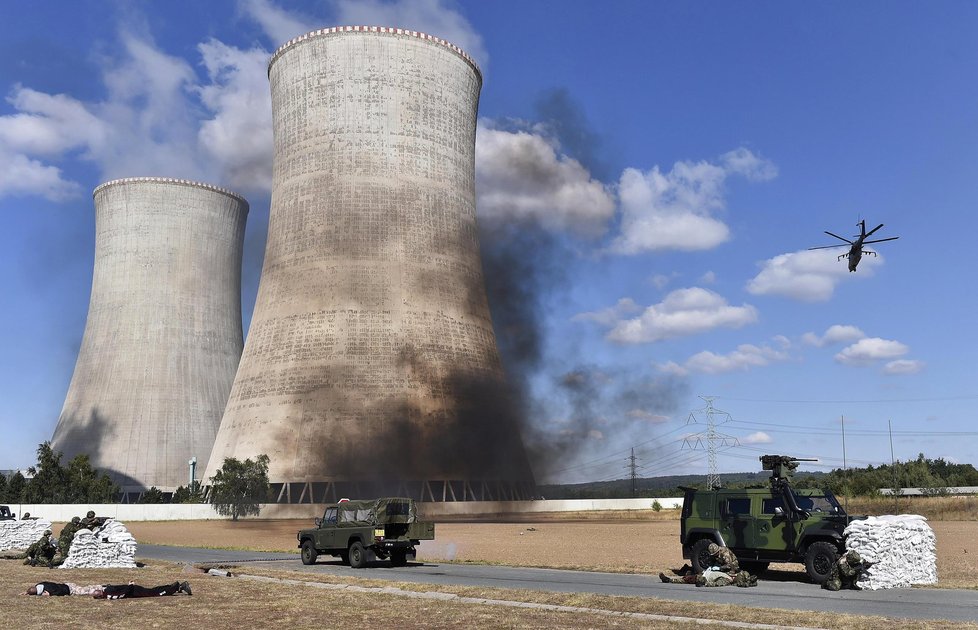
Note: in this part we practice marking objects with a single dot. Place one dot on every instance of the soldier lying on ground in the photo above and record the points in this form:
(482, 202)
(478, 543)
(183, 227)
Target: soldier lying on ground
(846, 572)
(724, 569)
(108, 591)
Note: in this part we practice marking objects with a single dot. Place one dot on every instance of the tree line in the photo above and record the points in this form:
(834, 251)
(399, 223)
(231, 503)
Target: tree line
(237, 489)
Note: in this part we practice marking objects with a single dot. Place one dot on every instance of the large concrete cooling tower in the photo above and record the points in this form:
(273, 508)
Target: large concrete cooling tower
(371, 364)
(163, 335)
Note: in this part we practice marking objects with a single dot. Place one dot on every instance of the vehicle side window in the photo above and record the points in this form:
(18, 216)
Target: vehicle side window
(768, 505)
(331, 516)
(736, 506)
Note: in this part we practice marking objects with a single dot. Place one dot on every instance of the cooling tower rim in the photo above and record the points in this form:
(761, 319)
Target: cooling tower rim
(385, 30)
(171, 180)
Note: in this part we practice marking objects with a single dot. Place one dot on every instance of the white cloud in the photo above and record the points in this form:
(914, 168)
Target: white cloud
(870, 350)
(239, 136)
(675, 210)
(903, 366)
(808, 276)
(21, 175)
(641, 414)
(708, 278)
(521, 176)
(759, 437)
(672, 368)
(279, 25)
(745, 357)
(610, 316)
(434, 17)
(660, 281)
(683, 312)
(837, 333)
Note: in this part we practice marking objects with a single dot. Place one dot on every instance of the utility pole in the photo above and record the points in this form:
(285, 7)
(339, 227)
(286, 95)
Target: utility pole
(632, 467)
(714, 440)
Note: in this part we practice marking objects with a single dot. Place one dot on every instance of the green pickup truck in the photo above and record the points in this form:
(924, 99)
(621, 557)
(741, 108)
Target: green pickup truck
(360, 531)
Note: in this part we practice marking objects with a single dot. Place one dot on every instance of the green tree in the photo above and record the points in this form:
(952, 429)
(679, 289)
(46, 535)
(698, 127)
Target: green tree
(86, 484)
(16, 486)
(192, 494)
(48, 483)
(238, 487)
(153, 495)
(3, 489)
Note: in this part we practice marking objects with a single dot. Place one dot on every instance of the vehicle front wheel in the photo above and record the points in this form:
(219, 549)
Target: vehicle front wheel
(309, 553)
(358, 556)
(819, 560)
(699, 556)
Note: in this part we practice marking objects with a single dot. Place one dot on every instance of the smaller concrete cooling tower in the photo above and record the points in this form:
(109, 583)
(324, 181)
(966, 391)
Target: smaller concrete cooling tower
(163, 335)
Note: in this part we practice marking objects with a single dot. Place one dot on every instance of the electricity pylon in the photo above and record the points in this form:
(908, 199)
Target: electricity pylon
(713, 438)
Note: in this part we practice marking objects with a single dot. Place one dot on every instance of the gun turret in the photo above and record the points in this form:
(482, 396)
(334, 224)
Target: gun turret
(781, 466)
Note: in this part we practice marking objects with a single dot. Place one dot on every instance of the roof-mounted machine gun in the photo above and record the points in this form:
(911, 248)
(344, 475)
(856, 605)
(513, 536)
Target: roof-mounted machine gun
(782, 467)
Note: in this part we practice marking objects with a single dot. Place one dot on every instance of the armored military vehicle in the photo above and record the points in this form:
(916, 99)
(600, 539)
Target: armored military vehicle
(763, 525)
(360, 531)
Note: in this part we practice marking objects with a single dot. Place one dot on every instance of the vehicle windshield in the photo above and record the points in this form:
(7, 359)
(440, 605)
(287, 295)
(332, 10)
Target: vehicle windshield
(819, 503)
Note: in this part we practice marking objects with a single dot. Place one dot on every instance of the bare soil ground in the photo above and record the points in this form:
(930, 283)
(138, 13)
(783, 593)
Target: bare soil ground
(633, 545)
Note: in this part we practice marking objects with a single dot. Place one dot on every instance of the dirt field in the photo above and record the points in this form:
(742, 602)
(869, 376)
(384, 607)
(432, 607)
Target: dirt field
(633, 545)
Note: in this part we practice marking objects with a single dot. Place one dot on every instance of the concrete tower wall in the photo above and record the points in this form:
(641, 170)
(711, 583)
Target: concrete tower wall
(371, 354)
(163, 335)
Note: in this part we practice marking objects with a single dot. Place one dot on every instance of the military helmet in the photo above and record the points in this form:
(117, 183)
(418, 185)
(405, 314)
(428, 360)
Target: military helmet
(853, 557)
(48, 532)
(90, 514)
(75, 519)
(713, 549)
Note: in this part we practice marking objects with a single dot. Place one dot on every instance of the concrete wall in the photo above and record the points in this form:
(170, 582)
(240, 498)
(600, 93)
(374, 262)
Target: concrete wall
(163, 335)
(434, 511)
(371, 354)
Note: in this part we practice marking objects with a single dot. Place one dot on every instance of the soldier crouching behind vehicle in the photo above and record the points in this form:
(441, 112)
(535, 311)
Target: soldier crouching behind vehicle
(845, 573)
(724, 570)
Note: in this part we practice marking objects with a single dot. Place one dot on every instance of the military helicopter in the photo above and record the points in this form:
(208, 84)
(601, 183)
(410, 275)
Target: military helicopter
(856, 250)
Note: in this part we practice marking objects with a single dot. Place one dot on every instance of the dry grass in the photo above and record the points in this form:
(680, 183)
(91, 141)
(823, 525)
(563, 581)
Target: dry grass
(226, 603)
(934, 508)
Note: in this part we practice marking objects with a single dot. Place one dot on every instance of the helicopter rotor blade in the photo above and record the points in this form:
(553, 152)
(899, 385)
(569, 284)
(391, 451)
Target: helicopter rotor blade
(839, 237)
(870, 233)
(880, 240)
(826, 247)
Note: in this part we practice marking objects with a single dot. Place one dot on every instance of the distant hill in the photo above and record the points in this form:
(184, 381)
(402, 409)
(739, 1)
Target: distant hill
(651, 487)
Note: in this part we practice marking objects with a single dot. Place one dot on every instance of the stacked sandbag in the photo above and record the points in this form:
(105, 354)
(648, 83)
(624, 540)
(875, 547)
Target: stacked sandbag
(21, 534)
(110, 545)
(902, 547)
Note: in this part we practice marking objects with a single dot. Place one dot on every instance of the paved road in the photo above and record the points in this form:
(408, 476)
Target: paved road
(783, 593)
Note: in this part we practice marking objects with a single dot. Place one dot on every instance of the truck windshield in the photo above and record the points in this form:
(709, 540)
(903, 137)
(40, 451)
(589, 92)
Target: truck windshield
(819, 503)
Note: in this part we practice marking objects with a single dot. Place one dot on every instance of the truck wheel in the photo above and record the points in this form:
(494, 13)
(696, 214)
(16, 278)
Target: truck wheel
(358, 557)
(819, 560)
(309, 553)
(700, 557)
(398, 557)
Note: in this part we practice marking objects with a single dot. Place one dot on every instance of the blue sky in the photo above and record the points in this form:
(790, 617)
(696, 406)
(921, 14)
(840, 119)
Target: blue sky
(678, 159)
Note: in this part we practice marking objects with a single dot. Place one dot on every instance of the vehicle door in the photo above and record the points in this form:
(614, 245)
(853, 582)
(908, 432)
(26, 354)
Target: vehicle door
(735, 521)
(774, 526)
(327, 531)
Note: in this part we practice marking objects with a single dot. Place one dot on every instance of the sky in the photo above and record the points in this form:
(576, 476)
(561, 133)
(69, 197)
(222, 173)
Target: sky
(660, 168)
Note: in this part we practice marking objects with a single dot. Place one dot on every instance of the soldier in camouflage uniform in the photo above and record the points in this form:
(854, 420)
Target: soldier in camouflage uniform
(41, 551)
(67, 535)
(724, 569)
(846, 572)
(92, 522)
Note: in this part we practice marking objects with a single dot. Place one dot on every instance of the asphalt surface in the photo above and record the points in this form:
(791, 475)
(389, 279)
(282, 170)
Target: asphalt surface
(782, 592)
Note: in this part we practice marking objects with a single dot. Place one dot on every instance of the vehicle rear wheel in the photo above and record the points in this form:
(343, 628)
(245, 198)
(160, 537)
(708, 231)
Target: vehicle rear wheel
(754, 567)
(309, 553)
(358, 556)
(399, 557)
(699, 557)
(819, 560)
